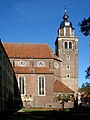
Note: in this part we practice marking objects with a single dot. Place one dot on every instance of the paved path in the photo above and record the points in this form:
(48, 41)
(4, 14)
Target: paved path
(21, 110)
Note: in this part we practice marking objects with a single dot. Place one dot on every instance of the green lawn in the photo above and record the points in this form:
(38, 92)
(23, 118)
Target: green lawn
(50, 115)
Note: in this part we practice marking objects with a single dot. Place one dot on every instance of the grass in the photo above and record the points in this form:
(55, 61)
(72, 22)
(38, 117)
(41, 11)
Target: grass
(44, 114)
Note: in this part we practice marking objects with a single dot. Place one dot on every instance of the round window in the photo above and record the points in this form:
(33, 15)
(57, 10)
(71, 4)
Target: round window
(40, 63)
(56, 65)
(21, 63)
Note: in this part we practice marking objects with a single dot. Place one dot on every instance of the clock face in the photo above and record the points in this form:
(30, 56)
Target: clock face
(56, 65)
(67, 23)
(21, 63)
(40, 63)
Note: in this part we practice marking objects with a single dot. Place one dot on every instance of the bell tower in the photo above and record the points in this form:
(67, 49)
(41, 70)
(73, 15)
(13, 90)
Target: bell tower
(66, 48)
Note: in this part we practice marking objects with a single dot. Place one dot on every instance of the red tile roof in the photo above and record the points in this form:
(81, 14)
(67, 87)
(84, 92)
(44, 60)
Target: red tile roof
(36, 70)
(27, 50)
(60, 87)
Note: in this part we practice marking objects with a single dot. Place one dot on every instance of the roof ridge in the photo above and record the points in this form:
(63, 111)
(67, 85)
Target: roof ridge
(24, 43)
(40, 50)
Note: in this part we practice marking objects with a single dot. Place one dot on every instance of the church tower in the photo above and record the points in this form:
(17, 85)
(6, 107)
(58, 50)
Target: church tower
(66, 48)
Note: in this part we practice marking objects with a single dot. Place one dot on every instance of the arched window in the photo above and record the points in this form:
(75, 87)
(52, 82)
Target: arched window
(66, 45)
(21, 84)
(70, 45)
(41, 85)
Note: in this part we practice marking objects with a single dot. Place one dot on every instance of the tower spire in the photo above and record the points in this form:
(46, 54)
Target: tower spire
(65, 17)
(65, 11)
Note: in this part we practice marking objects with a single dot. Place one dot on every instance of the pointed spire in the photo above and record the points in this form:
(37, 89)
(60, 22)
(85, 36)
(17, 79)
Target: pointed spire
(65, 17)
(65, 12)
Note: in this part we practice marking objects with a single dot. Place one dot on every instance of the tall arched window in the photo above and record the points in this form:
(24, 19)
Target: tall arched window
(41, 85)
(70, 45)
(66, 45)
(21, 84)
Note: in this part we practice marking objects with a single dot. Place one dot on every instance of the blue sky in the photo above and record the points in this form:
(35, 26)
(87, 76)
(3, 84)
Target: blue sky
(37, 21)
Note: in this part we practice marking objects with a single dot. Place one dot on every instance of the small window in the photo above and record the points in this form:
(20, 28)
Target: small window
(68, 57)
(21, 63)
(68, 67)
(40, 63)
(56, 65)
(68, 75)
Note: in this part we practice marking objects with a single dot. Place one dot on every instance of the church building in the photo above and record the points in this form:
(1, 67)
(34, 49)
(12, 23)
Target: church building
(42, 74)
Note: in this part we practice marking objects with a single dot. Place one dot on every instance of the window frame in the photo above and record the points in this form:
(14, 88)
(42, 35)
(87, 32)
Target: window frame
(22, 93)
(68, 45)
(42, 85)
(40, 63)
(68, 76)
(68, 67)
